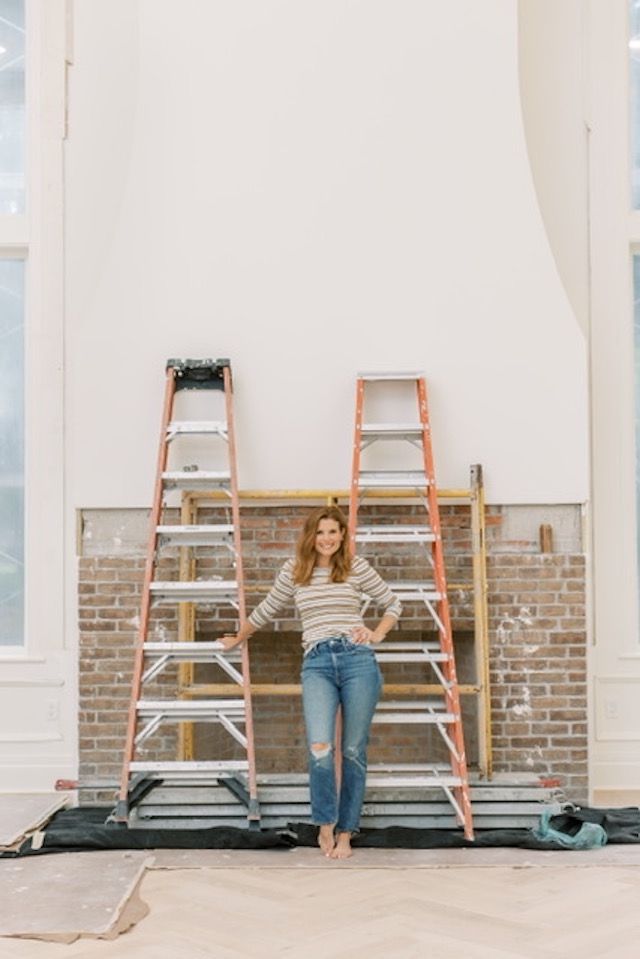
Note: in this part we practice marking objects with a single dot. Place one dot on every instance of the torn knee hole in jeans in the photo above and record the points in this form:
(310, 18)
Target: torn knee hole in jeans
(320, 750)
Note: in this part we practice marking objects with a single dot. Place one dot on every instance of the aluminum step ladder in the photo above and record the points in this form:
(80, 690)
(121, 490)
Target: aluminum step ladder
(442, 711)
(233, 710)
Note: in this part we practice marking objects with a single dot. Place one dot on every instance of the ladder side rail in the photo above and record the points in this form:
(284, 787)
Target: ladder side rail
(355, 468)
(154, 522)
(437, 561)
(242, 610)
(451, 692)
(186, 627)
(481, 620)
(354, 499)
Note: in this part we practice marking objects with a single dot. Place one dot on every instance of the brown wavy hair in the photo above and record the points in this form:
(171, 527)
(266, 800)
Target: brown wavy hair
(306, 547)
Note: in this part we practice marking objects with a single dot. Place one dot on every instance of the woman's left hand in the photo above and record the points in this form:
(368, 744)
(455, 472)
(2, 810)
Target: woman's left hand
(362, 635)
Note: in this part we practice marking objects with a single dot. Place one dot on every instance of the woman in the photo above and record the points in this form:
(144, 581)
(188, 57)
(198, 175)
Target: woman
(339, 667)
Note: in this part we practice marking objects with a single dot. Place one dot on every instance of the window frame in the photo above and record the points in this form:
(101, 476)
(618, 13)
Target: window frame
(36, 237)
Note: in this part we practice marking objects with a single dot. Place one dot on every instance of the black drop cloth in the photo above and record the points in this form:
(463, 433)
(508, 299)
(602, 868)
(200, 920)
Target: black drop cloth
(84, 829)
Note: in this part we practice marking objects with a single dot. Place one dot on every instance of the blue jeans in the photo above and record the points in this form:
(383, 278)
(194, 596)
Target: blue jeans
(338, 672)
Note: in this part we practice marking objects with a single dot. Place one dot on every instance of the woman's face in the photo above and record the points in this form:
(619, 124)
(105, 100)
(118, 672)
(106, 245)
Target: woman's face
(329, 537)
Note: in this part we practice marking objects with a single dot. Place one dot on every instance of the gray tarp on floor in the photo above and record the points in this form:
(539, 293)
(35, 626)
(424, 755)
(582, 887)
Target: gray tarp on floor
(85, 829)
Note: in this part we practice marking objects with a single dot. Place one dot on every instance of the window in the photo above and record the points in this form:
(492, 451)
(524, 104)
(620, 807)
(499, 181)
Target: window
(636, 340)
(12, 107)
(12, 412)
(11, 452)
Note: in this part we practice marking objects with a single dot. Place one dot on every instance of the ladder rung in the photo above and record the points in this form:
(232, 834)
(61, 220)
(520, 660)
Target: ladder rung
(412, 712)
(187, 708)
(395, 534)
(432, 703)
(196, 479)
(191, 652)
(417, 590)
(393, 479)
(188, 768)
(415, 719)
(384, 375)
(432, 769)
(206, 591)
(393, 656)
(206, 535)
(391, 430)
(196, 428)
(418, 780)
(432, 647)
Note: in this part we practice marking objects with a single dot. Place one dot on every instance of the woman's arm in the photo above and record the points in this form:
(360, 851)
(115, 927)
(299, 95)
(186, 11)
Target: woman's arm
(362, 634)
(374, 586)
(277, 598)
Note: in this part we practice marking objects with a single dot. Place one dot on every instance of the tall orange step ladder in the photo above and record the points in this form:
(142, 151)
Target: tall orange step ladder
(216, 441)
(443, 711)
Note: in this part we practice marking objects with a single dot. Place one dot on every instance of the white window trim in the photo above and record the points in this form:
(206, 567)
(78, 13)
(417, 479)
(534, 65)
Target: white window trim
(614, 661)
(38, 698)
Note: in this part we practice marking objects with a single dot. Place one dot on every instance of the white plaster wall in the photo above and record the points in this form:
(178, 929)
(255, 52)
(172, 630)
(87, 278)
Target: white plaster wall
(312, 189)
(553, 87)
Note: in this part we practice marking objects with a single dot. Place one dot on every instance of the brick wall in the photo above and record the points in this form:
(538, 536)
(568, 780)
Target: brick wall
(538, 666)
(537, 636)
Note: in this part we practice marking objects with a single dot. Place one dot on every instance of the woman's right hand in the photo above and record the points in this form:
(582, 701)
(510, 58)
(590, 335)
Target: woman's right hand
(230, 641)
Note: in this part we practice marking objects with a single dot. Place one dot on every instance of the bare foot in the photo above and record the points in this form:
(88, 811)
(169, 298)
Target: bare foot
(326, 840)
(342, 848)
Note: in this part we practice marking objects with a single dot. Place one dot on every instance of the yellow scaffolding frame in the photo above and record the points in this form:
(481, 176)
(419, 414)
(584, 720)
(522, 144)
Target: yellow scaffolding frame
(474, 495)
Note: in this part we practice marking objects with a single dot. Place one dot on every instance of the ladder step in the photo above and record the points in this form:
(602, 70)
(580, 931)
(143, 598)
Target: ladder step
(207, 535)
(431, 647)
(395, 534)
(388, 805)
(412, 713)
(416, 591)
(200, 795)
(190, 709)
(392, 479)
(392, 655)
(391, 431)
(191, 768)
(205, 591)
(196, 479)
(204, 652)
(418, 780)
(196, 428)
(432, 704)
(384, 375)
(431, 769)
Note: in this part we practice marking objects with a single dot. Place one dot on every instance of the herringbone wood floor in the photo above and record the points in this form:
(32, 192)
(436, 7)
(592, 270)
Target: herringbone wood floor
(555, 912)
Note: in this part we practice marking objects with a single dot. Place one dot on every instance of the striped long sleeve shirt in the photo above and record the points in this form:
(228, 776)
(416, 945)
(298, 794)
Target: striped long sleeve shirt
(326, 609)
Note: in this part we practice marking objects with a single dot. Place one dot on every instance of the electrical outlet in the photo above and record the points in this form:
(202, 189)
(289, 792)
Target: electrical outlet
(611, 709)
(53, 709)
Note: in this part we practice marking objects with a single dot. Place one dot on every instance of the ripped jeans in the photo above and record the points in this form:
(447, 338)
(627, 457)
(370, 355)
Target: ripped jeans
(337, 672)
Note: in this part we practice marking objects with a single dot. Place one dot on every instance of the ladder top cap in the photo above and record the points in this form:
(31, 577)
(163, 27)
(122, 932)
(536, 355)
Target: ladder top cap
(199, 374)
(392, 375)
